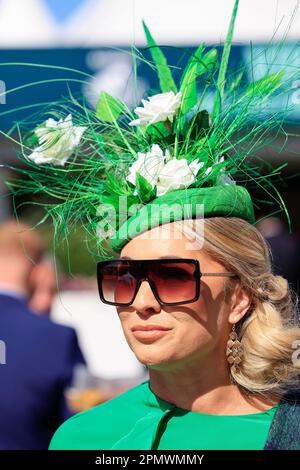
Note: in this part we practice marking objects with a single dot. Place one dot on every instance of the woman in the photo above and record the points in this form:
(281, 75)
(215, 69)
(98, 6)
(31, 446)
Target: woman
(195, 398)
(216, 329)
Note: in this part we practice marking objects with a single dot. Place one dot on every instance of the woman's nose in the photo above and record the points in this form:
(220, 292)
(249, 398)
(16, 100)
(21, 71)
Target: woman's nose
(145, 299)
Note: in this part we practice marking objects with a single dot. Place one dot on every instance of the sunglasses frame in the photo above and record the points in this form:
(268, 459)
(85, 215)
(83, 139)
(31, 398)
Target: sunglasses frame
(144, 277)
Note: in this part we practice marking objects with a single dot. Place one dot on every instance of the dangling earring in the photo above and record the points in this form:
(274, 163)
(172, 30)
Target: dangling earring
(234, 350)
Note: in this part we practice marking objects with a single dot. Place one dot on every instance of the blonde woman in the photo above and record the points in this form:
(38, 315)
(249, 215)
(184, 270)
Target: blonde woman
(202, 311)
(219, 355)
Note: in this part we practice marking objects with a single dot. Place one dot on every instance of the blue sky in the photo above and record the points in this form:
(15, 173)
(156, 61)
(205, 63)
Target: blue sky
(63, 9)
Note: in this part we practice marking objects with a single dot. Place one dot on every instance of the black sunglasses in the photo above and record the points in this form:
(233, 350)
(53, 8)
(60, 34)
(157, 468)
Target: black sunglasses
(173, 281)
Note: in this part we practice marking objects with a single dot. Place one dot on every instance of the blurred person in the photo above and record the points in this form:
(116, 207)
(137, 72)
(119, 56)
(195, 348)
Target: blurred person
(40, 355)
(43, 287)
(285, 249)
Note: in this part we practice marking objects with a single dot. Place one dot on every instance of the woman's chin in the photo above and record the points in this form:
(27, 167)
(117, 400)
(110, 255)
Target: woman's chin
(153, 352)
(153, 357)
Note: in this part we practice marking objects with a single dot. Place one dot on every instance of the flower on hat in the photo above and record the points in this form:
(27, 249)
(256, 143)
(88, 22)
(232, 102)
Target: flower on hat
(162, 171)
(149, 165)
(122, 160)
(158, 108)
(57, 141)
(177, 174)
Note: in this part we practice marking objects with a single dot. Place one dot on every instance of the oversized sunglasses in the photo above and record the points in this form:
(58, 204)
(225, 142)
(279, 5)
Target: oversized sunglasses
(172, 281)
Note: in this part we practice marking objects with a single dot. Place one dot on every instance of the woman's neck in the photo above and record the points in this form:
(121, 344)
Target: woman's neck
(205, 390)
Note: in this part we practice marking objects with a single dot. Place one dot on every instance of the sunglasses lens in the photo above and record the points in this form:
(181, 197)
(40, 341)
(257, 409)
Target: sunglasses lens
(171, 282)
(175, 282)
(117, 283)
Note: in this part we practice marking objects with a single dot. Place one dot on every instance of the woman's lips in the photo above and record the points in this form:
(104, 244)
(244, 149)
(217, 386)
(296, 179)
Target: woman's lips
(149, 333)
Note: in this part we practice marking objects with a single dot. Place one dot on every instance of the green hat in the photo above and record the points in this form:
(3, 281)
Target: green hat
(219, 201)
(187, 151)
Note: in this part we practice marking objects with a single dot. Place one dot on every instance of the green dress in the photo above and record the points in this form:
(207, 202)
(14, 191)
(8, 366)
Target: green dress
(139, 420)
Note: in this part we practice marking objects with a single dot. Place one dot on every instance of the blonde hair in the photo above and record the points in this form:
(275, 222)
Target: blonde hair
(270, 327)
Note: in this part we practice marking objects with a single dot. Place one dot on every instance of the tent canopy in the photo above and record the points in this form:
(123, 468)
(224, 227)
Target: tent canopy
(93, 23)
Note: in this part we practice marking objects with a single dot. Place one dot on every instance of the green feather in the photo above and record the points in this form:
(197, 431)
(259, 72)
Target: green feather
(188, 83)
(224, 63)
(266, 85)
(208, 64)
(196, 67)
(236, 82)
(108, 108)
(164, 73)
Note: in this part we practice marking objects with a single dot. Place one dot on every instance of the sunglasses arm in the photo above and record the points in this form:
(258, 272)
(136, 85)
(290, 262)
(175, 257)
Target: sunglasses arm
(220, 274)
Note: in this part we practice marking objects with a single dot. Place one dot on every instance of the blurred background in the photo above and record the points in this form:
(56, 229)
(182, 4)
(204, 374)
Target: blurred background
(49, 47)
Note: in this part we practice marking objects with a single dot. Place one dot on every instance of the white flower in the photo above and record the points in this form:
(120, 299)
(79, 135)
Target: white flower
(177, 174)
(159, 108)
(149, 165)
(57, 141)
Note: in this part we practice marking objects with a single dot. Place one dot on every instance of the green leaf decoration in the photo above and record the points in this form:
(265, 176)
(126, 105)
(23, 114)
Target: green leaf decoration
(144, 189)
(164, 73)
(194, 59)
(208, 64)
(108, 108)
(110, 199)
(197, 66)
(157, 131)
(188, 83)
(224, 63)
(205, 66)
(265, 85)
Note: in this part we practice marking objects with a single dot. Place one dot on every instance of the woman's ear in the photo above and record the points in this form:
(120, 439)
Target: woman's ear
(240, 303)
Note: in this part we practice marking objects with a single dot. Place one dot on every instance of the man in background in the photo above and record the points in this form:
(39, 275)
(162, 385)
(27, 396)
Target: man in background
(40, 356)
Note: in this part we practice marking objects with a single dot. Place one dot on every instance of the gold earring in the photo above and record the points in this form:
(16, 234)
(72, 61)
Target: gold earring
(234, 350)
